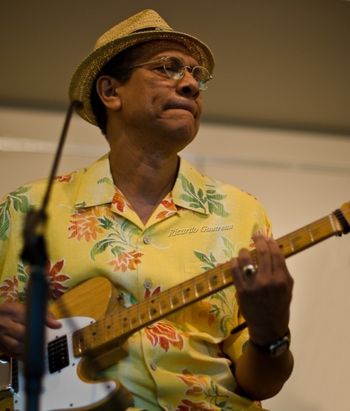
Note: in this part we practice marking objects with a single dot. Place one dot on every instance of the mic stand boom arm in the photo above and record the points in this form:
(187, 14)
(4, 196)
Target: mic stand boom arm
(35, 254)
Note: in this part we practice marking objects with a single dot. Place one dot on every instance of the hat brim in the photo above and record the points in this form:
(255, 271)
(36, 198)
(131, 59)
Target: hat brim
(85, 75)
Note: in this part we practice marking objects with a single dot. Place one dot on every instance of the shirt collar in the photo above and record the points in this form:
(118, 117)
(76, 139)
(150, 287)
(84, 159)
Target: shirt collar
(190, 190)
(97, 187)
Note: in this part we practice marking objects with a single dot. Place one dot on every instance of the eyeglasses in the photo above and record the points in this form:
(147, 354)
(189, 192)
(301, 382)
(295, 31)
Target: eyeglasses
(174, 68)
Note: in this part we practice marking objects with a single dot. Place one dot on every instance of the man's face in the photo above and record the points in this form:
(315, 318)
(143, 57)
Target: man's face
(158, 106)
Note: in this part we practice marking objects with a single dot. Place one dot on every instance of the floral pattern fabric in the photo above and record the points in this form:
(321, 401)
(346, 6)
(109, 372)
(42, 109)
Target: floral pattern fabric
(182, 362)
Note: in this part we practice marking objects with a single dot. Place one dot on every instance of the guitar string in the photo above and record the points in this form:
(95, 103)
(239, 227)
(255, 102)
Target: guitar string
(117, 317)
(134, 311)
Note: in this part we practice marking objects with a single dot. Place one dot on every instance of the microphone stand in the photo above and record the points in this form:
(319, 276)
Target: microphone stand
(35, 254)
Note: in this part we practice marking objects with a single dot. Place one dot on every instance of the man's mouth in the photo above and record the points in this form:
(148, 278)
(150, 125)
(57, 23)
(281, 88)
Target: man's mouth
(181, 105)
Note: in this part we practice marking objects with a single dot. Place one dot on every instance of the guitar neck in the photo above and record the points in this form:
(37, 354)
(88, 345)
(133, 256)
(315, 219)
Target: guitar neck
(309, 235)
(115, 328)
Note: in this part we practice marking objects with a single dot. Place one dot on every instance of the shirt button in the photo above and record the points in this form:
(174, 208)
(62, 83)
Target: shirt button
(147, 284)
(146, 239)
(153, 366)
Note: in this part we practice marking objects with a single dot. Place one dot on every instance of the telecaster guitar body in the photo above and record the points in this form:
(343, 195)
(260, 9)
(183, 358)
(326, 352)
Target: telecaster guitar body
(64, 387)
(68, 382)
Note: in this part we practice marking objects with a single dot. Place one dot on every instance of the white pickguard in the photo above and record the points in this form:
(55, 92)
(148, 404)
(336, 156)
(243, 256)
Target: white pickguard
(63, 390)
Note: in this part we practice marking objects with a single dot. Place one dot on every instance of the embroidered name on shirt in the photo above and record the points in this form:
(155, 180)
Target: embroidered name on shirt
(202, 229)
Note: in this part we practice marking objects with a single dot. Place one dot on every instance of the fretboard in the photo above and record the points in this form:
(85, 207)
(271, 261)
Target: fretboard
(115, 328)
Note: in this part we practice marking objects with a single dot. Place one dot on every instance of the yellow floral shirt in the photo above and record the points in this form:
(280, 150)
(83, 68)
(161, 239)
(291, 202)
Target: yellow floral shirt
(182, 362)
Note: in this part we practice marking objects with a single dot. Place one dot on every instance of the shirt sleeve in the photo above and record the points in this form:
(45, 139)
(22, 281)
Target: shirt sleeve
(13, 273)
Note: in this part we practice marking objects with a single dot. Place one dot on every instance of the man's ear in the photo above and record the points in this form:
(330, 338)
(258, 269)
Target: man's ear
(106, 88)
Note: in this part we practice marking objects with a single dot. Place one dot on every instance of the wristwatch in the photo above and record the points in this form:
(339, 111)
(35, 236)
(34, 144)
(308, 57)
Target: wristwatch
(276, 348)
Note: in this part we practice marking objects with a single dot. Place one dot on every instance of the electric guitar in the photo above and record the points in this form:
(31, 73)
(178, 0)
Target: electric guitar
(92, 336)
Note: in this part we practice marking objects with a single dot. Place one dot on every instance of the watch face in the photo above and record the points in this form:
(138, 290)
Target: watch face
(279, 347)
(276, 348)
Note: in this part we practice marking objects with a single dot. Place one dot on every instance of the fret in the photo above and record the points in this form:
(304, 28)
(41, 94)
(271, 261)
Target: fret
(152, 311)
(160, 306)
(175, 300)
(332, 222)
(133, 321)
(199, 288)
(299, 241)
(142, 316)
(171, 304)
(108, 330)
(312, 239)
(284, 245)
(314, 232)
(125, 326)
(79, 343)
(291, 246)
(85, 339)
(186, 294)
(196, 291)
(213, 281)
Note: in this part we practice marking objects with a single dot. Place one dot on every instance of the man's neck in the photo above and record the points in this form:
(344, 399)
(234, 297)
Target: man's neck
(144, 179)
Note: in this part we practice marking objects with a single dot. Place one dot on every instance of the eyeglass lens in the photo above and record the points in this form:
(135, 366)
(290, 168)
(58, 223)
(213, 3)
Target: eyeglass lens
(175, 69)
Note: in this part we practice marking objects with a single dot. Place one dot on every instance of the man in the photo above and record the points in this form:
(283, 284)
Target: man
(148, 221)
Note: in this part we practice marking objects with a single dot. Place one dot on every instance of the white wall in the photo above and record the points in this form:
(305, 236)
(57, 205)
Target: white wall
(299, 177)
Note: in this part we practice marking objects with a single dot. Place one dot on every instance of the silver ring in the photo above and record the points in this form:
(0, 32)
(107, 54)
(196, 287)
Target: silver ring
(249, 270)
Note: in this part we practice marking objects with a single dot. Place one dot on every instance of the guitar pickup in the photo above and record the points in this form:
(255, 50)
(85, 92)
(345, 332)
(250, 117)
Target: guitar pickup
(58, 355)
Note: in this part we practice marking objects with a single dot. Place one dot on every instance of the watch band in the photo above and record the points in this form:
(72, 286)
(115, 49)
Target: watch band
(275, 348)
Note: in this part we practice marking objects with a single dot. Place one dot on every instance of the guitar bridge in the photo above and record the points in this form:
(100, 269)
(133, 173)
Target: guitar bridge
(8, 378)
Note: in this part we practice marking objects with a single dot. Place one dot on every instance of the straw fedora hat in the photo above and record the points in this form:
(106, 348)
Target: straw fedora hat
(144, 26)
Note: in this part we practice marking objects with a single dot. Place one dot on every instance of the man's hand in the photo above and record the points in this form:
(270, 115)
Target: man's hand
(12, 328)
(265, 295)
